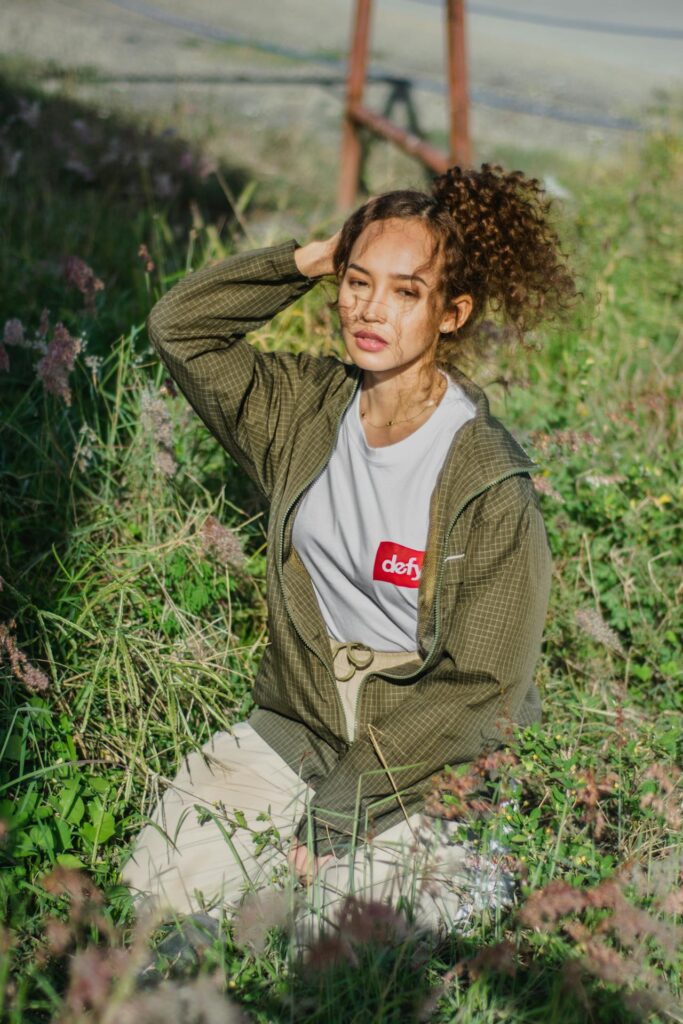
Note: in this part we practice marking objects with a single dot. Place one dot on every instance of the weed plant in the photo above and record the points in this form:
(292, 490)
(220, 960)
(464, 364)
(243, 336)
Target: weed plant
(133, 617)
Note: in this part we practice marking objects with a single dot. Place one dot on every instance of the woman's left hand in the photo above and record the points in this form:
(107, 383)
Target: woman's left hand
(304, 864)
(315, 259)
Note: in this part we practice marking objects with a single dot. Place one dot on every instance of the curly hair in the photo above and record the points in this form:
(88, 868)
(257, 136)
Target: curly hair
(494, 239)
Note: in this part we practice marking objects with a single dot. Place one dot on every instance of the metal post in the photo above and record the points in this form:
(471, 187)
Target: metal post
(407, 141)
(458, 100)
(357, 115)
(351, 145)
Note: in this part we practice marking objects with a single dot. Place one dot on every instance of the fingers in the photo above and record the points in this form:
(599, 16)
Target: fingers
(298, 857)
(304, 864)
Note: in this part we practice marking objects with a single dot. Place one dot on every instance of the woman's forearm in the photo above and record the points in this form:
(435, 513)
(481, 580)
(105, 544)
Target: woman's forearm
(198, 329)
(224, 301)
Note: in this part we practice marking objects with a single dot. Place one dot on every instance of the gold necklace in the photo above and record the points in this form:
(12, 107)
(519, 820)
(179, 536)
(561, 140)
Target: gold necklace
(393, 423)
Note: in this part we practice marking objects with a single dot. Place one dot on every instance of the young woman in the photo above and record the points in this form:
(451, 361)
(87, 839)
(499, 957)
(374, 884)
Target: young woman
(408, 566)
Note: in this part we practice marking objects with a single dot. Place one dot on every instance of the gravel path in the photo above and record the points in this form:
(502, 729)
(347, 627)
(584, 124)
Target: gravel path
(189, 66)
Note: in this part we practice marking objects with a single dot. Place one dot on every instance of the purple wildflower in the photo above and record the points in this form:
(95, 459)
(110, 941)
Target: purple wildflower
(79, 274)
(358, 923)
(543, 486)
(563, 440)
(43, 323)
(664, 801)
(34, 679)
(93, 972)
(58, 362)
(143, 253)
(13, 333)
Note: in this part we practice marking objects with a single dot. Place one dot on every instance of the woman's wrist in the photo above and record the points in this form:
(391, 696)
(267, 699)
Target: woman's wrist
(315, 258)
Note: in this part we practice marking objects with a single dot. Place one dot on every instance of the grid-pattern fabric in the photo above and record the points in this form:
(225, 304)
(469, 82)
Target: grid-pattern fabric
(485, 580)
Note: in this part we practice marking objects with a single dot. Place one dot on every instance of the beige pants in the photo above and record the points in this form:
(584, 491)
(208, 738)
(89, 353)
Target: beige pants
(225, 825)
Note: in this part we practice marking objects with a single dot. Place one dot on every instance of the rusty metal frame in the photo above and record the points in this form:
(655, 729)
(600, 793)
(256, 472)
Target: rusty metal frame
(357, 115)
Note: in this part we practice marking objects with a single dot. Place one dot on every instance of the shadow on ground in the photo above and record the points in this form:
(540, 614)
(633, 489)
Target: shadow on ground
(79, 181)
(131, 204)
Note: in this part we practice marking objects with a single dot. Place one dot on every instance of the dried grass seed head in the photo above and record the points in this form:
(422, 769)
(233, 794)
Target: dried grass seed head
(593, 625)
(222, 543)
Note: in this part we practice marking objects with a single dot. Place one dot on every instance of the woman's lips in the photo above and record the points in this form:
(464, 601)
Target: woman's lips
(369, 342)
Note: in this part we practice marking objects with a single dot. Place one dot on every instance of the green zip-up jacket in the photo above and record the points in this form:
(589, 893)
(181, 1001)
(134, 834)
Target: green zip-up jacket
(485, 581)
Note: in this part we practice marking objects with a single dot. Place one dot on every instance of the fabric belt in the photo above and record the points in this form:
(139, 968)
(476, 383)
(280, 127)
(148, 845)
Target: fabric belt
(351, 659)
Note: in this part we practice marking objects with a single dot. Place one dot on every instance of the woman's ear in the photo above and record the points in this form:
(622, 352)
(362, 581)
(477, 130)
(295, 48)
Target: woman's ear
(459, 311)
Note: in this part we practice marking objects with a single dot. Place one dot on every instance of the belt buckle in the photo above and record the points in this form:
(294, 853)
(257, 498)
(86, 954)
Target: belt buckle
(353, 649)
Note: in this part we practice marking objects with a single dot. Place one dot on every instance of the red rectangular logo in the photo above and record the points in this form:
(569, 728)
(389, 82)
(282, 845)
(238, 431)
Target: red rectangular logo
(397, 564)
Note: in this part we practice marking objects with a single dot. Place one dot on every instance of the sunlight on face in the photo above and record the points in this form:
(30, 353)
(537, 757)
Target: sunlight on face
(386, 296)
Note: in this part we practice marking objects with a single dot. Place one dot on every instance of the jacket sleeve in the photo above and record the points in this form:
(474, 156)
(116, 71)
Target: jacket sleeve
(246, 398)
(459, 707)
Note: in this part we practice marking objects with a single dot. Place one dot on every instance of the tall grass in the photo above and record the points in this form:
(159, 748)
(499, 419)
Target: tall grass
(148, 619)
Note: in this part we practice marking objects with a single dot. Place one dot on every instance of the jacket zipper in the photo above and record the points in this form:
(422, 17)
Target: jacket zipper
(280, 567)
(437, 587)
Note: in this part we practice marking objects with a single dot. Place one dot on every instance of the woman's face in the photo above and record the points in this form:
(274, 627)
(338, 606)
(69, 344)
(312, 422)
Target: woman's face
(387, 319)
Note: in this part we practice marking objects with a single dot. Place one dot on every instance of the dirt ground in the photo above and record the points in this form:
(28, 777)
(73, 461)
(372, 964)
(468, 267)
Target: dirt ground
(265, 80)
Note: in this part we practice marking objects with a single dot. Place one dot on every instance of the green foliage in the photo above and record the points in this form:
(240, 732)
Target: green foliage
(150, 643)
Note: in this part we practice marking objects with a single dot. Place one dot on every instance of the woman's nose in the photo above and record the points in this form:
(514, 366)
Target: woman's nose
(373, 309)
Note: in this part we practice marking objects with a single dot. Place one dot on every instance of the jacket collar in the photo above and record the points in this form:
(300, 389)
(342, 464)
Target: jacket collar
(482, 450)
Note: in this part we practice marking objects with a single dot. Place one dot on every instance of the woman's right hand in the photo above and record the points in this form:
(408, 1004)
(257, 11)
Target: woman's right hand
(315, 258)
(304, 865)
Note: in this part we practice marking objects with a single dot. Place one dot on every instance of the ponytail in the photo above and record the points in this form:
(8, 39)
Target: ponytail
(502, 248)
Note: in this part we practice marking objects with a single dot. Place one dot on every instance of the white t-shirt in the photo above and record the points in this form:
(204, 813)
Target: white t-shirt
(361, 527)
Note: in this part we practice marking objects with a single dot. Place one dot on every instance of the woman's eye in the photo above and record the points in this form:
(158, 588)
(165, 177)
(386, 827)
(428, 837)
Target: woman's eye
(355, 281)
